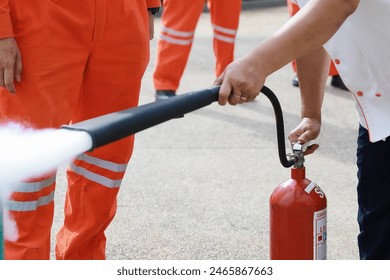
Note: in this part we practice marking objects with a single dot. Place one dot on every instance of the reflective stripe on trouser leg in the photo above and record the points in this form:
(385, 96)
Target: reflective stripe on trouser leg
(32, 206)
(90, 206)
(225, 18)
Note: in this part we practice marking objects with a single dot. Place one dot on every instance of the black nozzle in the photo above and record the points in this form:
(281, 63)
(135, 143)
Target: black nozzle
(115, 126)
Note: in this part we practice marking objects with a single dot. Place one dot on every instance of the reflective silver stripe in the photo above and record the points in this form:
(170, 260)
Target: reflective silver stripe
(34, 186)
(109, 165)
(175, 41)
(223, 38)
(109, 183)
(177, 33)
(23, 206)
(225, 30)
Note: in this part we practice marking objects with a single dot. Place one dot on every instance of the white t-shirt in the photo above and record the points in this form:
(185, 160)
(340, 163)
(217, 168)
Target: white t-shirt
(361, 52)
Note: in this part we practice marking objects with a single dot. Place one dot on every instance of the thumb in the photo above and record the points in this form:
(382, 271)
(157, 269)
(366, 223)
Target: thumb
(311, 149)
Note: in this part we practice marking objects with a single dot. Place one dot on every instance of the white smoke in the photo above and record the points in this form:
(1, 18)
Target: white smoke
(27, 153)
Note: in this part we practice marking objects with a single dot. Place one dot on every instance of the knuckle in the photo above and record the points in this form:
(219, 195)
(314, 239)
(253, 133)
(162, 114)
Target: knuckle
(7, 63)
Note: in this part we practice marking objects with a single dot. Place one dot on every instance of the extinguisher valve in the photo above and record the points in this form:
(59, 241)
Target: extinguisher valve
(298, 154)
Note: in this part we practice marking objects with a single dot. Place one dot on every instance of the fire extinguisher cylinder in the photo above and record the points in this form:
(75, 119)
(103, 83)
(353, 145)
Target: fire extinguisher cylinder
(298, 216)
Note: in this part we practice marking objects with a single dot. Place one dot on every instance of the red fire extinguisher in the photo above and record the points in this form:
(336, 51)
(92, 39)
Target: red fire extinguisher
(297, 206)
(298, 216)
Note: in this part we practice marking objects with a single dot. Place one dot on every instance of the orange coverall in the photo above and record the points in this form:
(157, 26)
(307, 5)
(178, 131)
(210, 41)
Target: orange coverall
(81, 59)
(179, 20)
(293, 9)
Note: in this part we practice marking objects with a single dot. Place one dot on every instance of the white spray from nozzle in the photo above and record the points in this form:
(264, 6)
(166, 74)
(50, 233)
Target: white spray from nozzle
(28, 153)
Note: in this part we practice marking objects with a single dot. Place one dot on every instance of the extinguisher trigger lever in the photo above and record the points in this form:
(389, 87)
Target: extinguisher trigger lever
(298, 153)
(298, 147)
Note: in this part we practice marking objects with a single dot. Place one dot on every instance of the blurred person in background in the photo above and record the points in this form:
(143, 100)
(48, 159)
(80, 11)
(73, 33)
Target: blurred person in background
(179, 21)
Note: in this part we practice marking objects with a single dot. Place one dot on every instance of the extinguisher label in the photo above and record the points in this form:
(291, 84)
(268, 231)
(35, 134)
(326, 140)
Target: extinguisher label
(319, 229)
(316, 188)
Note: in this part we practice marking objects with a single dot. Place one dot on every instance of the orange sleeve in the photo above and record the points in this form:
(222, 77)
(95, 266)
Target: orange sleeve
(5, 20)
(150, 3)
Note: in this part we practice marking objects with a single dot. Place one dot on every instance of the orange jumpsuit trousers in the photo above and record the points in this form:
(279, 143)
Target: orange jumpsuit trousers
(179, 20)
(293, 9)
(81, 59)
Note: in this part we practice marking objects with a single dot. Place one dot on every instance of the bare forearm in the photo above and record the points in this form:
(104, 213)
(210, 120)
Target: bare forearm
(306, 32)
(312, 72)
(303, 34)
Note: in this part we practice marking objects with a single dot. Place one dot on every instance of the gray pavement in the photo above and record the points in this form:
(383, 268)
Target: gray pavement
(198, 187)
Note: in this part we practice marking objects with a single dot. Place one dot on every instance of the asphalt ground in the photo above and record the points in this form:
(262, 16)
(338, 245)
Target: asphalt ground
(198, 188)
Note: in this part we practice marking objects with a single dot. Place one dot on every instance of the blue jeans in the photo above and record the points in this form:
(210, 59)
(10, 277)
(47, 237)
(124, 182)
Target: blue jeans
(373, 190)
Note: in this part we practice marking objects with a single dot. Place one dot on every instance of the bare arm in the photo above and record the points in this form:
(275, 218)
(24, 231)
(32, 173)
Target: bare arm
(312, 71)
(303, 34)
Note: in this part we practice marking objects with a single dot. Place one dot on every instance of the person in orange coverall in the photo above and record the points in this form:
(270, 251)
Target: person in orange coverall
(336, 79)
(80, 59)
(179, 20)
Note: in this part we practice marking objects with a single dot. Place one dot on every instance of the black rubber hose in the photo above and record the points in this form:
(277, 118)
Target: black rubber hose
(115, 126)
(279, 127)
